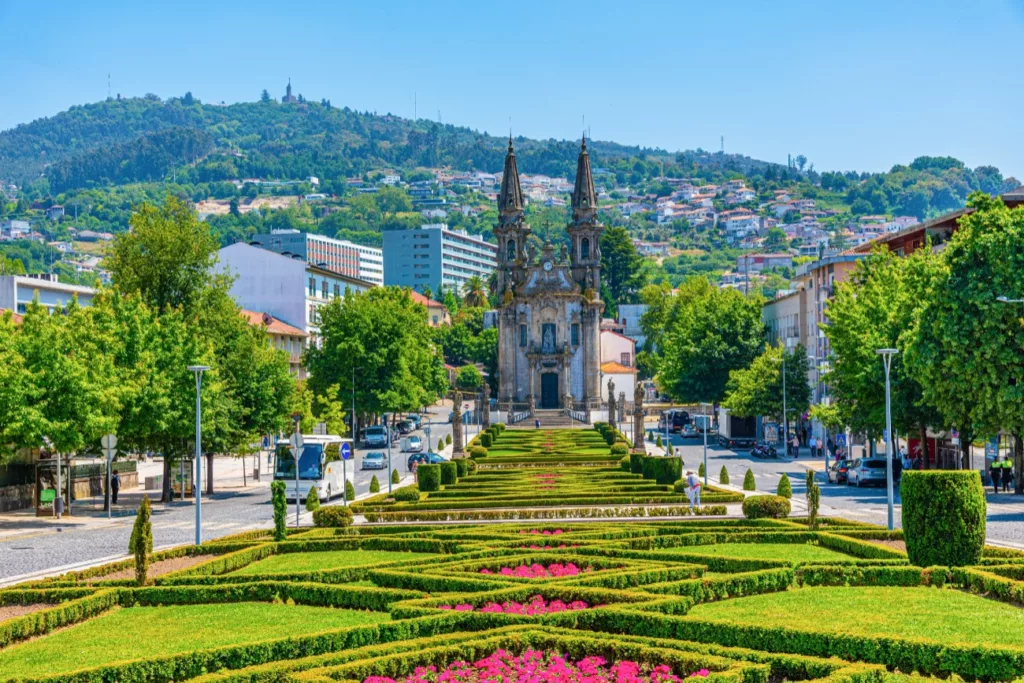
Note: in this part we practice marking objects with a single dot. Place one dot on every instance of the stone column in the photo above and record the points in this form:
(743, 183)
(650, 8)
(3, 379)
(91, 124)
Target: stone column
(485, 408)
(638, 418)
(457, 450)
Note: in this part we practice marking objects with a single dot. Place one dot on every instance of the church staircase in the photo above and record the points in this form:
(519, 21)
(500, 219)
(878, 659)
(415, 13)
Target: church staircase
(549, 419)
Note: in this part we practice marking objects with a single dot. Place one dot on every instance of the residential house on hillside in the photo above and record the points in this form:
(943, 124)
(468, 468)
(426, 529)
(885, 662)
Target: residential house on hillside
(739, 223)
(618, 364)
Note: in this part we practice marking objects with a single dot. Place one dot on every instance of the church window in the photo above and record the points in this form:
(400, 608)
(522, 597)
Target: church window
(625, 359)
(575, 334)
(510, 251)
(585, 248)
(522, 335)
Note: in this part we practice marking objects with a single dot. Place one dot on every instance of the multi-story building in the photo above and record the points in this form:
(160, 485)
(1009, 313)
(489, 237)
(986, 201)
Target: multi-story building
(18, 291)
(287, 287)
(283, 336)
(340, 256)
(434, 256)
(755, 263)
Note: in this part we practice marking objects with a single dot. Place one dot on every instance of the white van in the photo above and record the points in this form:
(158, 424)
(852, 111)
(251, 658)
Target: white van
(313, 468)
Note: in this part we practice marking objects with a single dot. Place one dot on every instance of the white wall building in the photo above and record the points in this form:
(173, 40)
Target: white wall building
(18, 291)
(286, 287)
(618, 363)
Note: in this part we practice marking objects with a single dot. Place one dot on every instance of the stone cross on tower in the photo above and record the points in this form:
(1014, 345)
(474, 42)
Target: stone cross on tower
(457, 451)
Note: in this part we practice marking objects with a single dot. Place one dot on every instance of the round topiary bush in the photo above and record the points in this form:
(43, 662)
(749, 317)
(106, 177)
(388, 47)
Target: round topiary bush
(759, 507)
(449, 473)
(395, 477)
(477, 452)
(333, 516)
(785, 489)
(943, 517)
(723, 476)
(748, 481)
(312, 500)
(624, 464)
(485, 440)
(619, 449)
(680, 486)
(471, 466)
(700, 470)
(462, 467)
(374, 484)
(429, 477)
(407, 494)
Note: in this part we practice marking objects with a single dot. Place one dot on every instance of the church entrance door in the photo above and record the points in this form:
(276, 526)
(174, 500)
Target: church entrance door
(549, 390)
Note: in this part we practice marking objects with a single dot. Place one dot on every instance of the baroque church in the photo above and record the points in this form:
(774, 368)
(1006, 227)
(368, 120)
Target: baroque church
(549, 317)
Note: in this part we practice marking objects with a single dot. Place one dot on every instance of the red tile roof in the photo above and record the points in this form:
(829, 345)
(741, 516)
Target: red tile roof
(14, 316)
(420, 299)
(273, 325)
(612, 368)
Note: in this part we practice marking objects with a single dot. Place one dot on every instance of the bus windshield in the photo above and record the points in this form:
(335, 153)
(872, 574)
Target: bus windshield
(311, 463)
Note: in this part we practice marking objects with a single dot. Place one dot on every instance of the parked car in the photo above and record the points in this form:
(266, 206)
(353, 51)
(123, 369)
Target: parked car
(412, 444)
(866, 471)
(425, 459)
(416, 419)
(688, 432)
(836, 474)
(376, 436)
(375, 460)
(405, 427)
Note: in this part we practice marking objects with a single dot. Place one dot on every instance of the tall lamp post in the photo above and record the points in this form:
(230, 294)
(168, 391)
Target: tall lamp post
(352, 421)
(887, 355)
(297, 444)
(1007, 300)
(785, 412)
(197, 487)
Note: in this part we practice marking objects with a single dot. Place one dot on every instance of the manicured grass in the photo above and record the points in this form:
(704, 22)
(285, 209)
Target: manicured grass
(331, 559)
(147, 632)
(793, 552)
(943, 615)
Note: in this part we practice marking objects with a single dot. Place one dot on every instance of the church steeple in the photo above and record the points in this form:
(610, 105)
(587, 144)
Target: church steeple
(510, 198)
(584, 199)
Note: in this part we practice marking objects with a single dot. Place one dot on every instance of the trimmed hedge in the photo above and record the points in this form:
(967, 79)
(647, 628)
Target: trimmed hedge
(429, 477)
(477, 452)
(619, 449)
(748, 481)
(461, 467)
(449, 473)
(664, 470)
(333, 516)
(485, 439)
(760, 507)
(943, 517)
(636, 463)
(407, 494)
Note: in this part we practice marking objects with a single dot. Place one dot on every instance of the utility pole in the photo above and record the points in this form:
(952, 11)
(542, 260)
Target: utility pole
(785, 414)
(887, 355)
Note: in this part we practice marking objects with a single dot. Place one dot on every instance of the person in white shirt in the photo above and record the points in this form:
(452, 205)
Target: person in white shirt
(693, 489)
(813, 443)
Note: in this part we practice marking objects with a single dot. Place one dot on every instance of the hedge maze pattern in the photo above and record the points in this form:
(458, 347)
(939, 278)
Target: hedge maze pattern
(443, 593)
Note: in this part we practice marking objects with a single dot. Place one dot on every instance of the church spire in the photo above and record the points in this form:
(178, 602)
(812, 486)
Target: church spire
(584, 199)
(510, 199)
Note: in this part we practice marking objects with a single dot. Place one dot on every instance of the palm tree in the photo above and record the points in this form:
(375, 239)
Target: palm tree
(474, 292)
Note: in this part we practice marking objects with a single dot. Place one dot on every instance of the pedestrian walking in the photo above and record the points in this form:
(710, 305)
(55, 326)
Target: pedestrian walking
(795, 446)
(536, 423)
(693, 489)
(115, 486)
(1007, 475)
(831, 447)
(813, 443)
(995, 471)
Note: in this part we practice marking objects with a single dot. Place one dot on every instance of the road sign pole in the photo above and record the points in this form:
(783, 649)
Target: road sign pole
(109, 443)
(346, 453)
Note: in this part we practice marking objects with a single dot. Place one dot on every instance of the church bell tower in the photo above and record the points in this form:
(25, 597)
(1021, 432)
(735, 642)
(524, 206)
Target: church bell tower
(512, 230)
(585, 230)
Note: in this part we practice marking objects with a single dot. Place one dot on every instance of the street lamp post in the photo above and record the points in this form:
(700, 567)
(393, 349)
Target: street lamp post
(297, 444)
(785, 413)
(887, 355)
(707, 426)
(198, 370)
(352, 421)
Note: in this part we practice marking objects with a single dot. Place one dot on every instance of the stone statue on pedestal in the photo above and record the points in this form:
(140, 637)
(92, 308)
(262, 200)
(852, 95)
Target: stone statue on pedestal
(638, 417)
(611, 401)
(622, 406)
(457, 451)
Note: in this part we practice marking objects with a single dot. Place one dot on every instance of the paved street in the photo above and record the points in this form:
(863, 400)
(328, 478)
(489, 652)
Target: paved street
(29, 545)
(1005, 511)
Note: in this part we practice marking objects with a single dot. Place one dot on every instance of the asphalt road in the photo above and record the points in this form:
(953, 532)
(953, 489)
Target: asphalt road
(31, 546)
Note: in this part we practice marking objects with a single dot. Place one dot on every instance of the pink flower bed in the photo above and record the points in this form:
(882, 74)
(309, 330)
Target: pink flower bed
(535, 666)
(536, 605)
(546, 532)
(538, 571)
(534, 546)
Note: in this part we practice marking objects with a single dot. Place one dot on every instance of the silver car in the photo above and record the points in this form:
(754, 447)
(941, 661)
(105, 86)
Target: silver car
(866, 471)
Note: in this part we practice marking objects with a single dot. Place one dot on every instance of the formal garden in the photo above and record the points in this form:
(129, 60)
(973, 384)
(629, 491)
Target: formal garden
(655, 599)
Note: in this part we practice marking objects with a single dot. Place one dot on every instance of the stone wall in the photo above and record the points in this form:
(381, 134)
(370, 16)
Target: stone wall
(16, 497)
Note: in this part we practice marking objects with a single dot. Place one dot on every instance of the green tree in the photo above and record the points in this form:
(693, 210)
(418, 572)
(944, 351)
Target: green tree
(474, 292)
(967, 348)
(388, 334)
(776, 239)
(757, 390)
(622, 271)
(709, 333)
(390, 201)
(468, 378)
(140, 544)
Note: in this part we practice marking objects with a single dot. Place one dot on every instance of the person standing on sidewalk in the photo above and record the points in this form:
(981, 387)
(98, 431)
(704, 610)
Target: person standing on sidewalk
(795, 445)
(813, 444)
(115, 486)
(1007, 475)
(693, 489)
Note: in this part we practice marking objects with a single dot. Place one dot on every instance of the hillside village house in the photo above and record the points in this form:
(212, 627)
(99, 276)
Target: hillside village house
(618, 364)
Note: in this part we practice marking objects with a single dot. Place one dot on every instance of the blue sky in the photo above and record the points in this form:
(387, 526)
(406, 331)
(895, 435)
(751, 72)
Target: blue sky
(854, 85)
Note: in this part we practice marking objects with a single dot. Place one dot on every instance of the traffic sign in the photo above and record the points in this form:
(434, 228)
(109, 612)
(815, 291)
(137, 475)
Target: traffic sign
(295, 440)
(346, 451)
(841, 440)
(954, 436)
(992, 448)
(109, 442)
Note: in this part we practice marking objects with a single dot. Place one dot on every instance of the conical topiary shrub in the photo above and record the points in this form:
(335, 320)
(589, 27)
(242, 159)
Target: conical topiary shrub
(374, 484)
(350, 491)
(440, 445)
(748, 481)
(785, 489)
(723, 476)
(394, 477)
(700, 470)
(312, 500)
(657, 441)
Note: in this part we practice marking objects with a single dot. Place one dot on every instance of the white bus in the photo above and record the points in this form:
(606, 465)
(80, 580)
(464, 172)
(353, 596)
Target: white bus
(313, 470)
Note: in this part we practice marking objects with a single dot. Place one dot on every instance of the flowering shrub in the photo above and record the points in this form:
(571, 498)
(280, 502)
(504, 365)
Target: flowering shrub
(534, 546)
(535, 665)
(536, 605)
(546, 532)
(538, 571)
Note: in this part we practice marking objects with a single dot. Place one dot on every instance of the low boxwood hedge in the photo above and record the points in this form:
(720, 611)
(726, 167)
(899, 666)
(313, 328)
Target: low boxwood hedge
(759, 507)
(664, 470)
(943, 517)
(429, 477)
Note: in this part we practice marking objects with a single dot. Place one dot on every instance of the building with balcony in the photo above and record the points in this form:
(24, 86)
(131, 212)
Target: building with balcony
(340, 256)
(434, 256)
(18, 291)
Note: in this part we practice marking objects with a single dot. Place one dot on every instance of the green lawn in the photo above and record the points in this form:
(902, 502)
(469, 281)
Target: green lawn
(331, 559)
(793, 552)
(947, 616)
(147, 632)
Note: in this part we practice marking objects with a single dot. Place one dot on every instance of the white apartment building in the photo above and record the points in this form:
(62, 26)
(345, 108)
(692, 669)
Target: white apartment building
(341, 256)
(434, 256)
(18, 291)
